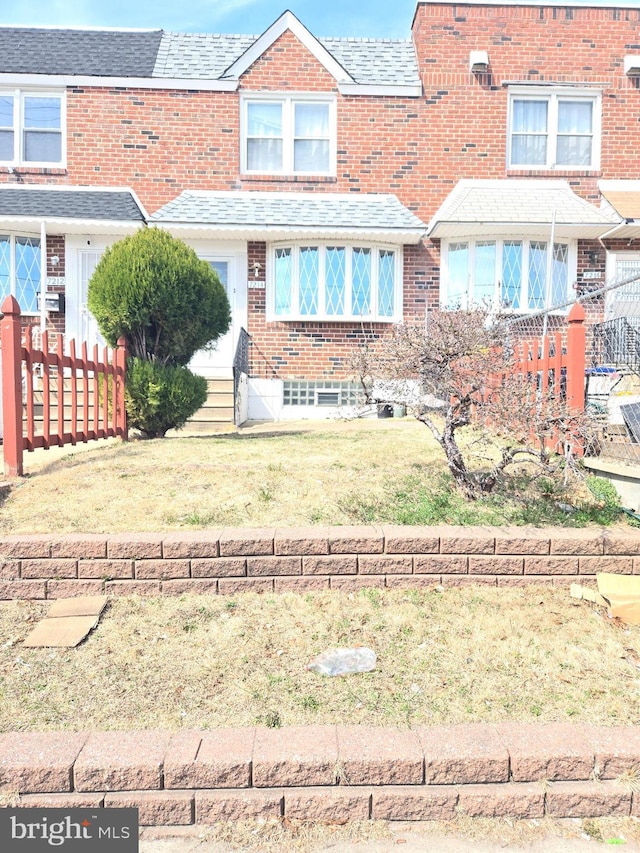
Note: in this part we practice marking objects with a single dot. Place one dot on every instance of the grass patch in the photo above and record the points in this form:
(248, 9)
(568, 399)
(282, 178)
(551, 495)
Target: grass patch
(449, 655)
(384, 471)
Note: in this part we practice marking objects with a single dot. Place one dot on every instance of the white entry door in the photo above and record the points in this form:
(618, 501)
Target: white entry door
(217, 361)
(80, 324)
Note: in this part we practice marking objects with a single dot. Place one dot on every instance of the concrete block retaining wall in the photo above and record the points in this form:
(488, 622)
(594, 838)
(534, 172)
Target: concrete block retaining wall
(233, 560)
(333, 773)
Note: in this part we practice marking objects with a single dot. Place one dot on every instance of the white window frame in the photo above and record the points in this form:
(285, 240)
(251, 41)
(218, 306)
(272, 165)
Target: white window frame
(288, 102)
(552, 95)
(18, 128)
(322, 316)
(13, 282)
(496, 304)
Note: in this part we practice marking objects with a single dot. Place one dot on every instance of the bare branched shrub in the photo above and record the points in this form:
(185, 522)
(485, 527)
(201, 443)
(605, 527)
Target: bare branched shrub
(458, 370)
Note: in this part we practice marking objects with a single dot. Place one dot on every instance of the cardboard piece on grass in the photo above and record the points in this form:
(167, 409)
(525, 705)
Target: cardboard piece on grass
(68, 622)
(623, 594)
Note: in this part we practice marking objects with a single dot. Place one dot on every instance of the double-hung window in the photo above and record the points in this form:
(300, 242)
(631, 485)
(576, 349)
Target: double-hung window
(335, 282)
(31, 127)
(288, 135)
(20, 270)
(515, 275)
(554, 129)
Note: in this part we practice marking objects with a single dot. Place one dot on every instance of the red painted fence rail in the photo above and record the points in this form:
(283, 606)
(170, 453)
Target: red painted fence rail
(68, 381)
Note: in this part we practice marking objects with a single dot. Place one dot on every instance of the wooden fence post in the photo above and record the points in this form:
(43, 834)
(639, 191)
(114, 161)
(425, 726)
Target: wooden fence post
(11, 343)
(576, 357)
(120, 357)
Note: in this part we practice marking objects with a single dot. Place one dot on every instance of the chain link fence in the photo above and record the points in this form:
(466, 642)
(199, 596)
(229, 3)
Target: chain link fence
(612, 358)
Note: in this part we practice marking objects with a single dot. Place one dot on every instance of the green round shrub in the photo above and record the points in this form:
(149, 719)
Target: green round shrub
(154, 290)
(161, 397)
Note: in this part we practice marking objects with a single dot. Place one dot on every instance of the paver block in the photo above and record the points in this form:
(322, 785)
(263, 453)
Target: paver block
(73, 588)
(131, 587)
(310, 584)
(577, 542)
(74, 800)
(221, 567)
(520, 540)
(272, 566)
(347, 565)
(379, 756)
(588, 799)
(616, 565)
(190, 586)
(617, 750)
(496, 565)
(18, 590)
(356, 540)
(27, 547)
(437, 563)
(432, 802)
(385, 565)
(246, 542)
(334, 805)
(10, 570)
(156, 808)
(413, 581)
(463, 754)
(105, 568)
(410, 540)
(513, 800)
(191, 544)
(551, 751)
(84, 546)
(466, 540)
(551, 565)
(63, 568)
(616, 542)
(161, 569)
(469, 580)
(349, 583)
(295, 756)
(121, 761)
(220, 758)
(243, 804)
(39, 762)
(301, 541)
(134, 546)
(233, 586)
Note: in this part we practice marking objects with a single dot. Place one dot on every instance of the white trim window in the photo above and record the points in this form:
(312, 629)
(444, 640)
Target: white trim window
(288, 135)
(20, 260)
(554, 129)
(32, 127)
(335, 282)
(509, 274)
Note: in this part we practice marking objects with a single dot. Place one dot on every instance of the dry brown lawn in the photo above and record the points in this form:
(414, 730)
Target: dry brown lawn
(450, 655)
(274, 474)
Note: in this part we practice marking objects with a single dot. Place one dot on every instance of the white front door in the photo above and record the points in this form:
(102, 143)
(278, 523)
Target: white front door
(80, 324)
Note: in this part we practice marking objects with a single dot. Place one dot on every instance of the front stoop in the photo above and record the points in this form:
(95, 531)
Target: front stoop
(218, 409)
(330, 773)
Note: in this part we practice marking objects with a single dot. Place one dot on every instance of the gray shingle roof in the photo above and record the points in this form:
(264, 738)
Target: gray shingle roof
(190, 56)
(95, 53)
(107, 205)
(290, 210)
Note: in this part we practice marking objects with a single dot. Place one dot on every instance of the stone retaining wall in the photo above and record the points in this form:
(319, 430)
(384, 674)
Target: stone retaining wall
(236, 560)
(334, 773)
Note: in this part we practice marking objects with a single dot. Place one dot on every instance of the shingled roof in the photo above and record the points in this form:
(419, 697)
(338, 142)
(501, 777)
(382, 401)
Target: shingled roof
(77, 203)
(157, 54)
(283, 215)
(94, 53)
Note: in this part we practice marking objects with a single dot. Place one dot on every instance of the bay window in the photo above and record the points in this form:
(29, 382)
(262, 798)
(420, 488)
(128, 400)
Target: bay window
(31, 127)
(20, 270)
(510, 274)
(554, 129)
(335, 282)
(288, 135)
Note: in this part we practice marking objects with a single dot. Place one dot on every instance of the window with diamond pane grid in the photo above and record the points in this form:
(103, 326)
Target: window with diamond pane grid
(22, 256)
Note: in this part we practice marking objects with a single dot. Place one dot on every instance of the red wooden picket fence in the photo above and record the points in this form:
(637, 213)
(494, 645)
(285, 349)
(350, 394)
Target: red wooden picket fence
(67, 383)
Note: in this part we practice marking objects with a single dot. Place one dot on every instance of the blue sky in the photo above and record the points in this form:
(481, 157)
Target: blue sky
(367, 18)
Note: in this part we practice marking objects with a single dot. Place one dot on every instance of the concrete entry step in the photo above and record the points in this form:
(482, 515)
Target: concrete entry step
(218, 408)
